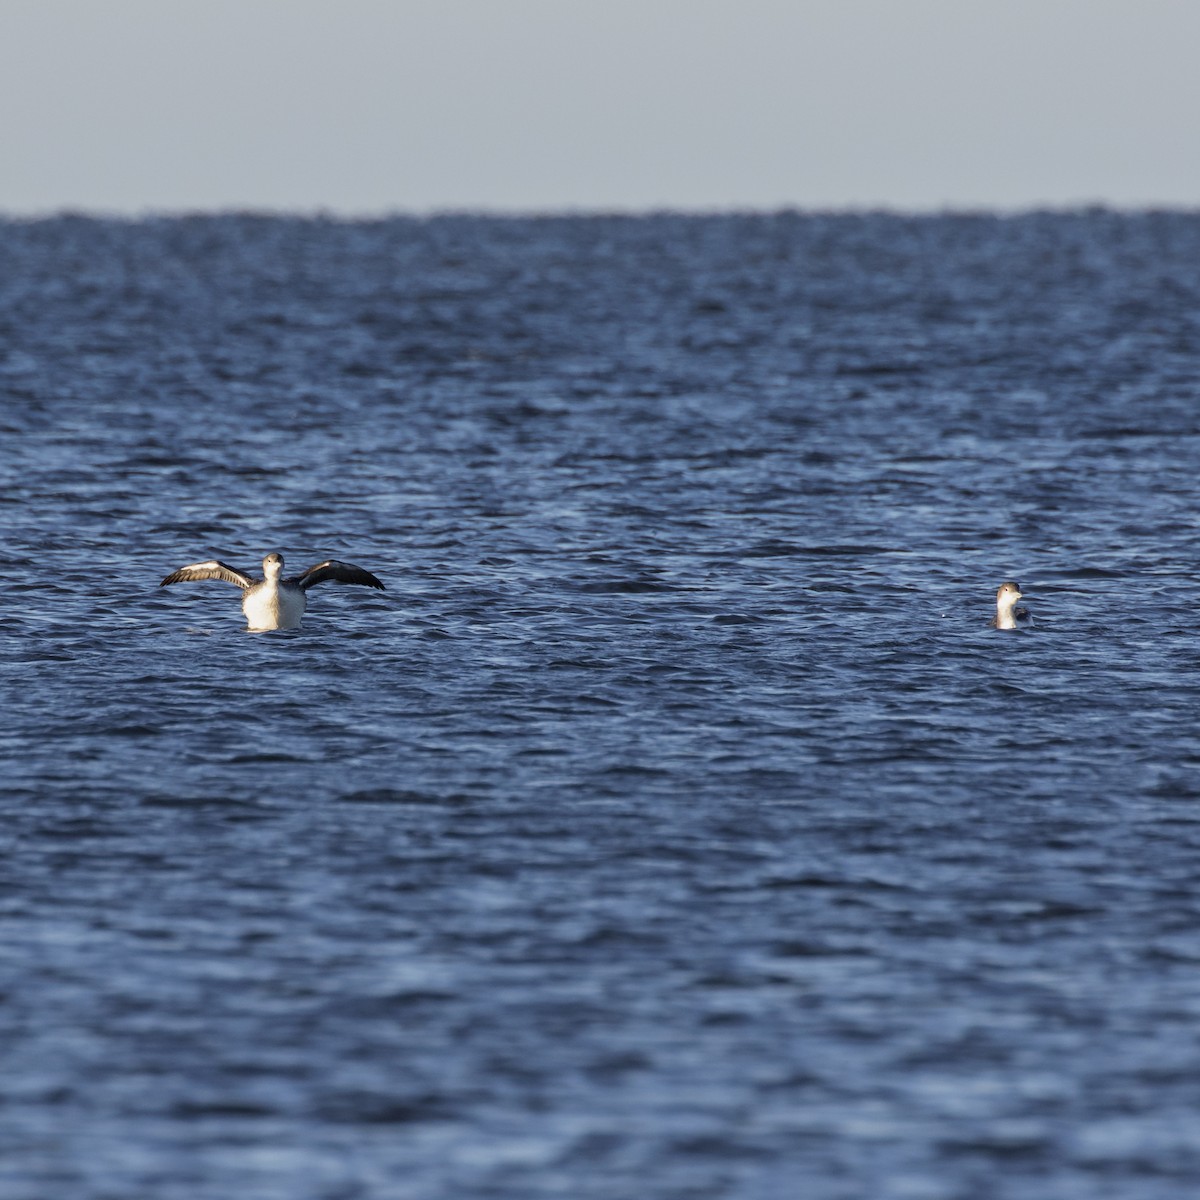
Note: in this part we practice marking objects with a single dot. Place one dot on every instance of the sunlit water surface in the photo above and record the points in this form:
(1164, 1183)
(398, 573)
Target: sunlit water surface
(673, 825)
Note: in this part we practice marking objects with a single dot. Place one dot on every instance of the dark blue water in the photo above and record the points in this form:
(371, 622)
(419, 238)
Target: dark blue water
(673, 825)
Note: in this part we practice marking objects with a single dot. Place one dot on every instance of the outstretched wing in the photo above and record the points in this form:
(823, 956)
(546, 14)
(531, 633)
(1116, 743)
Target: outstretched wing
(208, 570)
(340, 572)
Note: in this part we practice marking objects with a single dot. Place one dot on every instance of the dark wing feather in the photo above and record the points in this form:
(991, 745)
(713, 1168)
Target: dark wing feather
(208, 570)
(340, 572)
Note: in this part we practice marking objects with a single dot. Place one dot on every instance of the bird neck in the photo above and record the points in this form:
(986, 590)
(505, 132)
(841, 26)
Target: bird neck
(1004, 613)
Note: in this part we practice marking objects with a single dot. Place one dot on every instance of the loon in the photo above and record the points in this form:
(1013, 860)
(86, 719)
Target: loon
(273, 602)
(1009, 615)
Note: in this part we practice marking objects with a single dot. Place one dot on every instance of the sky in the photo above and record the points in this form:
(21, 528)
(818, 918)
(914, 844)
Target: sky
(364, 107)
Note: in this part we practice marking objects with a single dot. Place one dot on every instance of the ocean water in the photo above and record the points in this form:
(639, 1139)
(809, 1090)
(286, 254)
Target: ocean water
(673, 826)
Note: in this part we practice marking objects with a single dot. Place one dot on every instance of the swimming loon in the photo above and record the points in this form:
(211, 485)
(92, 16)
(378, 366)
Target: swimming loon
(1008, 614)
(273, 602)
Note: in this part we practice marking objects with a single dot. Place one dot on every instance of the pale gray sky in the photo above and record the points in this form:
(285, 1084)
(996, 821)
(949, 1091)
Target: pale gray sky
(367, 106)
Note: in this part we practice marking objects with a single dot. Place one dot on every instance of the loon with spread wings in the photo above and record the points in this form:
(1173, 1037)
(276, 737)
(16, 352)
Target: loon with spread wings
(273, 602)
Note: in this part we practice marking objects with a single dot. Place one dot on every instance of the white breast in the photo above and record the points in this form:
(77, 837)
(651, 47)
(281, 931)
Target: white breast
(268, 607)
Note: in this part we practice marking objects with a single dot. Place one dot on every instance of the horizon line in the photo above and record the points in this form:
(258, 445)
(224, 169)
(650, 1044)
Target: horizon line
(336, 214)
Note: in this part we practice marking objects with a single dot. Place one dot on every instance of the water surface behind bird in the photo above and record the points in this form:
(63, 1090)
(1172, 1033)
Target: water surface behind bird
(674, 824)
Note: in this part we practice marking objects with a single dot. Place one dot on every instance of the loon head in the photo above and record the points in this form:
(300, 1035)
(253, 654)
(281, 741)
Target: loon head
(1007, 594)
(273, 565)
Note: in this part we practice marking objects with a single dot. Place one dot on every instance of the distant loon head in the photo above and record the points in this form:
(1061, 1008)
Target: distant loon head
(1008, 615)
